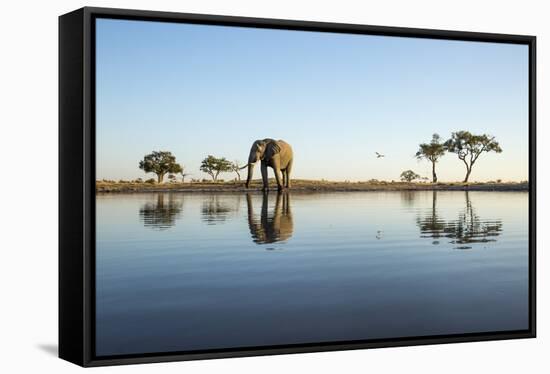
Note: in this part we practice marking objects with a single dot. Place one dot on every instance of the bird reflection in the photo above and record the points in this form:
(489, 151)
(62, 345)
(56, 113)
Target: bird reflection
(272, 226)
(215, 210)
(162, 213)
(466, 230)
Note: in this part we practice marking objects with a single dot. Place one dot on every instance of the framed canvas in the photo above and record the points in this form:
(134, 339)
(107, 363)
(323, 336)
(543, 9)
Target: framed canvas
(394, 203)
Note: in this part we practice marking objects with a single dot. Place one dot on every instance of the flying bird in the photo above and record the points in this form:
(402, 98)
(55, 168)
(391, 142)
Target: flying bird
(378, 155)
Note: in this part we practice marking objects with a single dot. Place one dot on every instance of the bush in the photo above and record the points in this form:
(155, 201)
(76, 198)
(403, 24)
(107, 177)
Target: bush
(151, 181)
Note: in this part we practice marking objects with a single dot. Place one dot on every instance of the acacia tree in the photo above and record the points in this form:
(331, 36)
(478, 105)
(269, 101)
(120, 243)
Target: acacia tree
(236, 168)
(409, 176)
(431, 151)
(213, 166)
(160, 163)
(183, 175)
(469, 147)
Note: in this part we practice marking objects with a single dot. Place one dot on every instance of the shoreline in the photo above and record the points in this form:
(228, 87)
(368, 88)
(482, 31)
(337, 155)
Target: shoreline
(306, 186)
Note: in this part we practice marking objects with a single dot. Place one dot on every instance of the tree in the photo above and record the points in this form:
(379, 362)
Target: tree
(236, 167)
(409, 176)
(469, 147)
(213, 166)
(183, 173)
(160, 163)
(432, 152)
(171, 178)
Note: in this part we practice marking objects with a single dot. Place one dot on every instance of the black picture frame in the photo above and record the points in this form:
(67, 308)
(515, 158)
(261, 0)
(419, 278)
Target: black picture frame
(77, 183)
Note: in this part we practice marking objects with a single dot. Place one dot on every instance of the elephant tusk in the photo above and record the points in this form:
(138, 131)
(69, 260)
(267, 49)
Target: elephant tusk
(244, 167)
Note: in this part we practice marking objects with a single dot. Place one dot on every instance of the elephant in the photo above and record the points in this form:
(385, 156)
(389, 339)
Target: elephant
(276, 154)
(271, 227)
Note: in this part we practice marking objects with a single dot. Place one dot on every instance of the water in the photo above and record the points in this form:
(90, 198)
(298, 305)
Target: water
(188, 271)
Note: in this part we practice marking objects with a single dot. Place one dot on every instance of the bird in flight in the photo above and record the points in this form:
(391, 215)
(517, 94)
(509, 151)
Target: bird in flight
(378, 155)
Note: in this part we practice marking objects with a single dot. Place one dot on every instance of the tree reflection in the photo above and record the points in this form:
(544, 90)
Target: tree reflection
(215, 210)
(432, 225)
(467, 229)
(162, 213)
(408, 197)
(273, 226)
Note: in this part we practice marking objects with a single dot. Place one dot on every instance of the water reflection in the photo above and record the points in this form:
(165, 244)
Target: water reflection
(467, 229)
(272, 226)
(431, 225)
(408, 198)
(216, 210)
(352, 263)
(162, 213)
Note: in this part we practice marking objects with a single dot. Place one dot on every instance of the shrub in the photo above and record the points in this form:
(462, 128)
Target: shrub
(151, 181)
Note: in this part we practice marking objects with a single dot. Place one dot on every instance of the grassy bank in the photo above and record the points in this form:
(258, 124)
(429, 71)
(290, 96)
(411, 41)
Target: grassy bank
(307, 185)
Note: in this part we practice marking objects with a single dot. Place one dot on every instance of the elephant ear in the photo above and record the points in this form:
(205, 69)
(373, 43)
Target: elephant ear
(272, 148)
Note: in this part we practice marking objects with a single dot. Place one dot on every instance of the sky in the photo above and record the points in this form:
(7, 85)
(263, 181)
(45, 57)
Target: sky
(196, 90)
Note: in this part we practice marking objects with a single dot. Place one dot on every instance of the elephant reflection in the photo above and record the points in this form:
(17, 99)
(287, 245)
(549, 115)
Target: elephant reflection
(467, 229)
(272, 226)
(162, 213)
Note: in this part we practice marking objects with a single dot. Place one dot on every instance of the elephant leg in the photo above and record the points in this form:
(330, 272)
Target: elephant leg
(276, 165)
(264, 175)
(284, 177)
(277, 171)
(287, 172)
(278, 178)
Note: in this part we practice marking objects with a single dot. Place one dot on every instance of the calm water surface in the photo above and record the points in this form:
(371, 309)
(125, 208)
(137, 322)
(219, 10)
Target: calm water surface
(182, 271)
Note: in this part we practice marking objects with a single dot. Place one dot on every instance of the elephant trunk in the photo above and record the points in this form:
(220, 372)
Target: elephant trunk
(250, 174)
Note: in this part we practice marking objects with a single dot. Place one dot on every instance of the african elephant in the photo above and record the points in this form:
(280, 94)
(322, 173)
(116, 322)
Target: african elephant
(272, 226)
(276, 154)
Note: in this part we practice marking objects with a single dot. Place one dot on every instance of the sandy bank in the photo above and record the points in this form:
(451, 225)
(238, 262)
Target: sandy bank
(306, 185)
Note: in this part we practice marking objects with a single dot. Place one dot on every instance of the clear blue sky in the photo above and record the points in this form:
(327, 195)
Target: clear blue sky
(196, 90)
